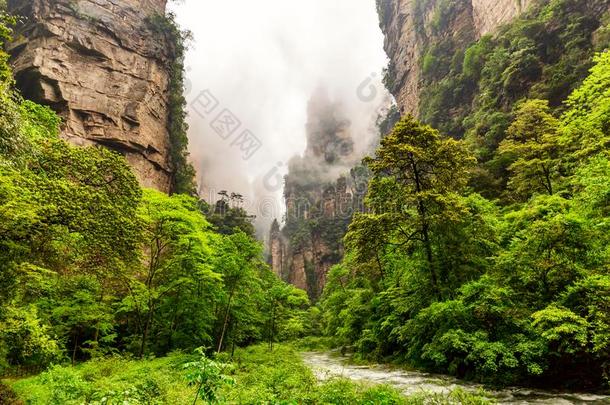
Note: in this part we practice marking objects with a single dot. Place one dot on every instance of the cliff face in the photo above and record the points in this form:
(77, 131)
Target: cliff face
(490, 14)
(103, 68)
(303, 252)
(320, 200)
(412, 26)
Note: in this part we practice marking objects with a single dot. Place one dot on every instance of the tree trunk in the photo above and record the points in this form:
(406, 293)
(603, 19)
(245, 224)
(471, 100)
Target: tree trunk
(146, 331)
(430, 258)
(421, 208)
(173, 325)
(225, 323)
(96, 337)
(549, 183)
(75, 348)
(381, 272)
(272, 331)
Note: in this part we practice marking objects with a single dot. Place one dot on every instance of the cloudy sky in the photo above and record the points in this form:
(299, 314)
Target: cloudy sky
(251, 70)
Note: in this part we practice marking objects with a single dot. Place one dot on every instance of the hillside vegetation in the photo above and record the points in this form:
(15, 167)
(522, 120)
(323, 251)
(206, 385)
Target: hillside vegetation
(514, 290)
(483, 251)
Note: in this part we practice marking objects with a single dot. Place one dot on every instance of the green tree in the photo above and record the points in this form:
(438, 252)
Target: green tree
(228, 219)
(284, 311)
(532, 142)
(417, 178)
(587, 128)
(177, 249)
(69, 214)
(550, 247)
(80, 317)
(208, 377)
(25, 340)
(240, 261)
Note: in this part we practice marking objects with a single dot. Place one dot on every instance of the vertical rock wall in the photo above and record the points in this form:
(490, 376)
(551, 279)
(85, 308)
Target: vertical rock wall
(410, 26)
(489, 15)
(320, 200)
(104, 69)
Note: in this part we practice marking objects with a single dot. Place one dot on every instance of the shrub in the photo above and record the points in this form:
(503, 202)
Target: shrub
(8, 396)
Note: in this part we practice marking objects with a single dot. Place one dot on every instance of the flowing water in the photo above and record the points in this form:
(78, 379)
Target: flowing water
(328, 365)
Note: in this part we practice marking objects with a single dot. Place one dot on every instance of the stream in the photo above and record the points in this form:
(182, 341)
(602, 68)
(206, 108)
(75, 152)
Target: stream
(328, 365)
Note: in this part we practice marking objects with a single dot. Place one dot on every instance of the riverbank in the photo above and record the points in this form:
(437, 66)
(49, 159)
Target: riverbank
(329, 365)
(257, 375)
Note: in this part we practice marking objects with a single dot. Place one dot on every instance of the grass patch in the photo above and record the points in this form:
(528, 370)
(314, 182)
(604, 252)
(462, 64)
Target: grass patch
(110, 381)
(260, 377)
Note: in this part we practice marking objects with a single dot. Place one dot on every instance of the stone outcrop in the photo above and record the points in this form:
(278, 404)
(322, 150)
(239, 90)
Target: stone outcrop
(303, 252)
(319, 201)
(488, 15)
(410, 26)
(104, 68)
(277, 249)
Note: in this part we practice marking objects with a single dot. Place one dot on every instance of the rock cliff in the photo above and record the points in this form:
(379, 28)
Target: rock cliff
(320, 200)
(303, 252)
(104, 68)
(412, 26)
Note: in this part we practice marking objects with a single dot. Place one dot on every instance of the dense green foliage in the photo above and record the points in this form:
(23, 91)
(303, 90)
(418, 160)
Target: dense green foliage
(487, 258)
(227, 216)
(92, 265)
(255, 376)
(470, 91)
(439, 277)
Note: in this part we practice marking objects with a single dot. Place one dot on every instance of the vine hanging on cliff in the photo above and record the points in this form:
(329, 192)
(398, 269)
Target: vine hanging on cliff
(183, 172)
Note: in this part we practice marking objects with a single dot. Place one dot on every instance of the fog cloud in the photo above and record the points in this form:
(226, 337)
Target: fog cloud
(252, 69)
